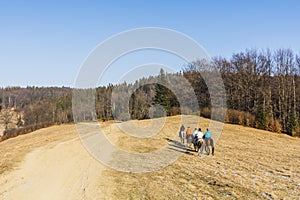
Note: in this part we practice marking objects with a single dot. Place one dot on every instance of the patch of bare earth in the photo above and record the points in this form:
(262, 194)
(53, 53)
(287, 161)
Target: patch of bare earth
(248, 164)
(49, 164)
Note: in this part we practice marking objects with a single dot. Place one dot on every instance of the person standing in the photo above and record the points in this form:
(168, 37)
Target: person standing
(189, 136)
(182, 133)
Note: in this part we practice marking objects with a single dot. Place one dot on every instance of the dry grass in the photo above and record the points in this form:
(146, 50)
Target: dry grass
(13, 150)
(248, 164)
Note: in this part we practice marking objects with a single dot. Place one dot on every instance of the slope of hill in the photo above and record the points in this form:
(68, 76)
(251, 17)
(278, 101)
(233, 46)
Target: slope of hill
(248, 164)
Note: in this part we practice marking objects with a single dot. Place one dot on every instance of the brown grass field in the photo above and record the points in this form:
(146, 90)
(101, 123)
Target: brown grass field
(248, 164)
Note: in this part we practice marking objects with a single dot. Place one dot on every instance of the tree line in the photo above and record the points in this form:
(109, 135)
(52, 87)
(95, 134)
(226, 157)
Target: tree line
(265, 84)
(262, 91)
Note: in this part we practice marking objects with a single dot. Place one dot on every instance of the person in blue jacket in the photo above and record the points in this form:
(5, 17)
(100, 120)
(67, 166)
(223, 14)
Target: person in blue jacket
(208, 139)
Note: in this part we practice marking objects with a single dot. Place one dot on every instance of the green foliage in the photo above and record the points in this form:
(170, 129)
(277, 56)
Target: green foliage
(165, 97)
(262, 119)
(293, 125)
(163, 94)
(162, 97)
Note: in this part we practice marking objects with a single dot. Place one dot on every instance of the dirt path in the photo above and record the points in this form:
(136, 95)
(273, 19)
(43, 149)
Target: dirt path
(65, 171)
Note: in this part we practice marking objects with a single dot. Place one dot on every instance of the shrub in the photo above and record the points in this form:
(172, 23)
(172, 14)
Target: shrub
(249, 120)
(240, 117)
(270, 125)
(227, 119)
(240, 120)
(233, 116)
(206, 112)
(277, 126)
(175, 111)
(14, 132)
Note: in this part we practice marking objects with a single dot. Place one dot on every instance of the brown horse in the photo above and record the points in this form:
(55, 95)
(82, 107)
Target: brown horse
(198, 144)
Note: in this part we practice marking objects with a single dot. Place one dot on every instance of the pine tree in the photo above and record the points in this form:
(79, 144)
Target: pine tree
(162, 96)
(293, 125)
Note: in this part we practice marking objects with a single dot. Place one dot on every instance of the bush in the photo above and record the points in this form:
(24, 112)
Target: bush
(205, 112)
(233, 116)
(249, 120)
(277, 126)
(219, 114)
(270, 125)
(297, 133)
(240, 120)
(174, 111)
(240, 117)
(14, 132)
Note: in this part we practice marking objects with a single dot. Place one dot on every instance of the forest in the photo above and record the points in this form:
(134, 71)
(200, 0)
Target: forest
(262, 91)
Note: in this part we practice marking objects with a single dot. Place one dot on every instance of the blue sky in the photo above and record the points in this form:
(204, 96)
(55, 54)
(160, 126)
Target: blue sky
(44, 43)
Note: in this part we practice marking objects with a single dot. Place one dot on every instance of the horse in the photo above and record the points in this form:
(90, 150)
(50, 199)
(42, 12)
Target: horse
(207, 142)
(198, 144)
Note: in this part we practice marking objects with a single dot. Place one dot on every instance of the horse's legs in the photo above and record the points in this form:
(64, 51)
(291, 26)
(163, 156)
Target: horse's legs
(200, 147)
(212, 146)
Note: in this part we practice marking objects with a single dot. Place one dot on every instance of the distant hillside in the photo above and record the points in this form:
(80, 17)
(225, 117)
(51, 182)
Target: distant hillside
(262, 91)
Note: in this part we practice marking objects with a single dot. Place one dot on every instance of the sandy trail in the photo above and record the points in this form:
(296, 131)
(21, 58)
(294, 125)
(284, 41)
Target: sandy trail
(65, 171)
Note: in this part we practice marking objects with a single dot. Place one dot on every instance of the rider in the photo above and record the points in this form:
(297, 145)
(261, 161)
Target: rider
(195, 138)
(200, 134)
(189, 136)
(195, 133)
(207, 138)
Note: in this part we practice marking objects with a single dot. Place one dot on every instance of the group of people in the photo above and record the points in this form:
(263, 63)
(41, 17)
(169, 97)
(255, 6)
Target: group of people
(197, 138)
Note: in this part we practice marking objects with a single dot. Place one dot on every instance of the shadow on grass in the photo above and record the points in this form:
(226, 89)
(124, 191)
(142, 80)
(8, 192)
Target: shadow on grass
(179, 147)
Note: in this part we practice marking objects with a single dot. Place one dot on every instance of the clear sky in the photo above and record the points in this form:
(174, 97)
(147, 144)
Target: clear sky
(44, 43)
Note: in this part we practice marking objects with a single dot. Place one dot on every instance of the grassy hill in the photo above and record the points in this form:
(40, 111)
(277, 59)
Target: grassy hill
(248, 164)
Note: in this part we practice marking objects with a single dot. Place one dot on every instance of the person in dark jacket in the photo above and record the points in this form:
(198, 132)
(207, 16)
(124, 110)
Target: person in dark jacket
(182, 133)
